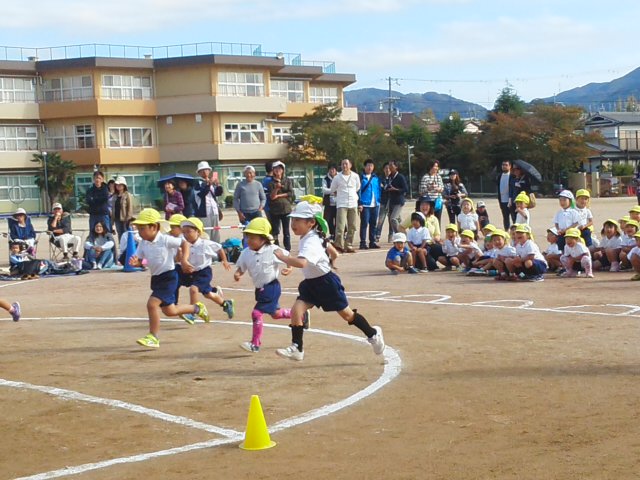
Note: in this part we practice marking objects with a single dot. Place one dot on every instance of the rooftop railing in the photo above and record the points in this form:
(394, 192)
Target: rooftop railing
(66, 52)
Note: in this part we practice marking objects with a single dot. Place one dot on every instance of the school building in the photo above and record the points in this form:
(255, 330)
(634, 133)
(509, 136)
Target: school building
(146, 112)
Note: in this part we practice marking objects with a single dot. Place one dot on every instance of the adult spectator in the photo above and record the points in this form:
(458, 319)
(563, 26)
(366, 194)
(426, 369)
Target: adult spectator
(122, 207)
(111, 186)
(397, 189)
(506, 187)
(249, 198)
(522, 182)
(173, 201)
(21, 231)
(98, 249)
(207, 208)
(369, 205)
(384, 212)
(454, 192)
(637, 184)
(185, 187)
(268, 178)
(345, 187)
(328, 200)
(59, 225)
(97, 198)
(281, 196)
(432, 186)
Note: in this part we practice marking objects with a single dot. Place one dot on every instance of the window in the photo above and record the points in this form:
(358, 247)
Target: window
(130, 137)
(67, 89)
(70, 137)
(17, 90)
(126, 87)
(18, 138)
(323, 95)
(18, 186)
(281, 134)
(235, 84)
(292, 90)
(243, 133)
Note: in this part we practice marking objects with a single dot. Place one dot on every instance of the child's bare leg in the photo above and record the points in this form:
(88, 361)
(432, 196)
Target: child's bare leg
(153, 310)
(6, 305)
(213, 296)
(635, 263)
(455, 261)
(177, 310)
(422, 255)
(297, 312)
(193, 294)
(499, 265)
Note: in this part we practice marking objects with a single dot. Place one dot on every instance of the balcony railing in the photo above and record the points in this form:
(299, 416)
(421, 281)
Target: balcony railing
(65, 52)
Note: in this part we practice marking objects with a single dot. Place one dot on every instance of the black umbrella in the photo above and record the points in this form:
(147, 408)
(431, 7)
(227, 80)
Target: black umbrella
(176, 177)
(529, 169)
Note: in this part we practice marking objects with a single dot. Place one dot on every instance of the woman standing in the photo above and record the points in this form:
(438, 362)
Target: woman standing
(173, 201)
(122, 206)
(98, 248)
(281, 198)
(431, 187)
(453, 193)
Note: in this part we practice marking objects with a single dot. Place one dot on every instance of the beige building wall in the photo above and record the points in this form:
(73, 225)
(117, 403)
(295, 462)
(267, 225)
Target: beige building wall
(183, 81)
(184, 129)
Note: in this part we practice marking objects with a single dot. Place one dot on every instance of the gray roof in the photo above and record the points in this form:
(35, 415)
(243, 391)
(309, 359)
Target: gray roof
(603, 147)
(613, 117)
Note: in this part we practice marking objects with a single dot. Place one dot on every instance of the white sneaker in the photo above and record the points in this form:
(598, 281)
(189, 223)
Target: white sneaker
(249, 347)
(377, 341)
(291, 352)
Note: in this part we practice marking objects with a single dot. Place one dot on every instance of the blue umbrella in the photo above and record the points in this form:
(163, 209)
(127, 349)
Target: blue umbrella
(176, 177)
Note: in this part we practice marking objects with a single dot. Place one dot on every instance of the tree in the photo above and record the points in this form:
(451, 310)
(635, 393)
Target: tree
(508, 102)
(60, 176)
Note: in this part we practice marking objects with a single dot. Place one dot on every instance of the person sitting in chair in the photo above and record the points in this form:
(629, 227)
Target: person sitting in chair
(59, 225)
(21, 230)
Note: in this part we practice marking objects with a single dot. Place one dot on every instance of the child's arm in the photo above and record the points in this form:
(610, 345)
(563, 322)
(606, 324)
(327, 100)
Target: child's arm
(223, 258)
(297, 262)
(237, 274)
(134, 261)
(185, 250)
(333, 255)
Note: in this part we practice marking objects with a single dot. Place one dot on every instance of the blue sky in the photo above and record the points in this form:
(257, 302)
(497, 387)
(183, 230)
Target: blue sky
(467, 48)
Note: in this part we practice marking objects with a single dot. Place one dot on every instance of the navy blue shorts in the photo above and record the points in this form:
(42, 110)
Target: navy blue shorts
(538, 268)
(164, 286)
(200, 278)
(324, 292)
(268, 297)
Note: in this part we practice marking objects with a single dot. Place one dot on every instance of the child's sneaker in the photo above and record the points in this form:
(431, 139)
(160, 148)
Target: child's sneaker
(291, 352)
(16, 311)
(377, 341)
(635, 278)
(203, 313)
(412, 270)
(249, 347)
(218, 290)
(150, 341)
(190, 318)
(615, 267)
(306, 320)
(229, 308)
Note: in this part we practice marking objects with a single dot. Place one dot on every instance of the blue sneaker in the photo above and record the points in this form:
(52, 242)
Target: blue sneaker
(190, 318)
(229, 308)
(16, 311)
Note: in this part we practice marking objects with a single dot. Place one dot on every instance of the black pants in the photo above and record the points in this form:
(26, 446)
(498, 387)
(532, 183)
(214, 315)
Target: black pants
(330, 216)
(508, 215)
(276, 221)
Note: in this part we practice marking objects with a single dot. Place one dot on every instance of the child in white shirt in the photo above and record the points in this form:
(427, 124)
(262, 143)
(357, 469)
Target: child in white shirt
(634, 257)
(567, 217)
(552, 254)
(576, 252)
(585, 224)
(523, 216)
(503, 251)
(451, 248)
(417, 237)
(469, 249)
(606, 255)
(468, 218)
(628, 242)
(528, 264)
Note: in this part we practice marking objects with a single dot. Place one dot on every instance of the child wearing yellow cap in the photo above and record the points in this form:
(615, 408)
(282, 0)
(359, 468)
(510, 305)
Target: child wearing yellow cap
(606, 256)
(628, 242)
(160, 250)
(634, 257)
(576, 255)
(469, 249)
(503, 252)
(567, 217)
(634, 213)
(468, 219)
(523, 217)
(451, 248)
(585, 225)
(529, 263)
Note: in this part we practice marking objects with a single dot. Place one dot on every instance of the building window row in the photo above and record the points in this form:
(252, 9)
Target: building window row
(70, 137)
(323, 95)
(130, 137)
(18, 138)
(281, 134)
(292, 90)
(237, 84)
(18, 186)
(126, 87)
(243, 133)
(17, 89)
(67, 88)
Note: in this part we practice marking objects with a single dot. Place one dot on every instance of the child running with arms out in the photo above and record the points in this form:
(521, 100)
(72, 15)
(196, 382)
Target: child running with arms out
(528, 264)
(264, 268)
(320, 287)
(576, 255)
(160, 251)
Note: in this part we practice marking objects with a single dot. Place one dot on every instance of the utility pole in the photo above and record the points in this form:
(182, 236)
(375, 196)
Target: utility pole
(409, 155)
(390, 101)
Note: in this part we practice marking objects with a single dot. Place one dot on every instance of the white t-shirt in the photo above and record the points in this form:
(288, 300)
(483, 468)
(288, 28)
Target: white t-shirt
(566, 217)
(553, 249)
(627, 241)
(506, 251)
(522, 220)
(202, 253)
(504, 187)
(263, 266)
(451, 248)
(416, 236)
(468, 221)
(613, 242)
(585, 215)
(311, 250)
(492, 253)
(576, 251)
(529, 248)
(634, 251)
(471, 250)
(159, 253)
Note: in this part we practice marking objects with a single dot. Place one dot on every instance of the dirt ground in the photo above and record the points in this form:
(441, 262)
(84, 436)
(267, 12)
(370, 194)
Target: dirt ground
(497, 381)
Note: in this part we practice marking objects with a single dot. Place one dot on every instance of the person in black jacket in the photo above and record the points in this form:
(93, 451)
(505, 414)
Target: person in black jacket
(185, 188)
(329, 201)
(207, 208)
(506, 197)
(396, 189)
(97, 199)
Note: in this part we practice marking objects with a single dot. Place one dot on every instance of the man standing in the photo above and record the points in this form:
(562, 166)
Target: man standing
(249, 197)
(397, 188)
(506, 183)
(328, 200)
(207, 208)
(368, 205)
(345, 187)
(97, 198)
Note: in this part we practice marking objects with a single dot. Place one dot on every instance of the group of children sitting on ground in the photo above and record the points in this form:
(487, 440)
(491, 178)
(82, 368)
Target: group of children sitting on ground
(514, 255)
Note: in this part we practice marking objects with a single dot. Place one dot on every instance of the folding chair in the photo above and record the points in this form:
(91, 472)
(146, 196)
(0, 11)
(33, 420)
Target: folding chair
(31, 247)
(56, 252)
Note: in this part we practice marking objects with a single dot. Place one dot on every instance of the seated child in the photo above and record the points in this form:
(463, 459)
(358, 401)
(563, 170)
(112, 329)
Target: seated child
(528, 264)
(417, 238)
(512, 234)
(399, 258)
(634, 213)
(576, 254)
(503, 252)
(487, 257)
(628, 242)
(469, 249)
(483, 215)
(586, 217)
(487, 230)
(451, 248)
(567, 217)
(468, 219)
(523, 216)
(634, 257)
(21, 264)
(552, 254)
(606, 255)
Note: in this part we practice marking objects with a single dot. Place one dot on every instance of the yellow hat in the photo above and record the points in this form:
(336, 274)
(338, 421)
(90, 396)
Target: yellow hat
(624, 218)
(468, 233)
(259, 226)
(500, 233)
(175, 219)
(311, 199)
(583, 192)
(634, 223)
(452, 226)
(489, 228)
(572, 232)
(612, 222)
(192, 222)
(148, 216)
(523, 228)
(473, 207)
(523, 197)
(636, 235)
(635, 209)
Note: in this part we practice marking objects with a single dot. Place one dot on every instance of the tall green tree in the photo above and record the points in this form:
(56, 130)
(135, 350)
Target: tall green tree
(508, 102)
(60, 176)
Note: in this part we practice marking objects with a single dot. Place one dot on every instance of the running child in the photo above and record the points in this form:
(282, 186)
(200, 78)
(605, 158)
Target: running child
(528, 264)
(628, 242)
(12, 308)
(320, 287)
(552, 254)
(634, 257)
(523, 216)
(583, 197)
(566, 218)
(607, 255)
(399, 258)
(417, 237)
(160, 250)
(451, 248)
(264, 268)
(576, 255)
(468, 219)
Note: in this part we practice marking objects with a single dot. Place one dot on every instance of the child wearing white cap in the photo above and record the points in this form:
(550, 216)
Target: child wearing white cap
(320, 287)
(566, 218)
(552, 253)
(399, 258)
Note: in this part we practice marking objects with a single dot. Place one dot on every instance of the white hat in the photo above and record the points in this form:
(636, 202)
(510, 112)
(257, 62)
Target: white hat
(566, 194)
(203, 166)
(249, 167)
(399, 237)
(306, 210)
(553, 230)
(56, 205)
(20, 211)
(480, 204)
(120, 180)
(277, 163)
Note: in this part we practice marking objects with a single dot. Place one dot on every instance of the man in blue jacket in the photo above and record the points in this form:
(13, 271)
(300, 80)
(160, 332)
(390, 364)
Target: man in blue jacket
(207, 208)
(368, 205)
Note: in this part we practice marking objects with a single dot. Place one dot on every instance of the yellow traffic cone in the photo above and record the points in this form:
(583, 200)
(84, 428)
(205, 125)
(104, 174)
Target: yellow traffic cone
(256, 436)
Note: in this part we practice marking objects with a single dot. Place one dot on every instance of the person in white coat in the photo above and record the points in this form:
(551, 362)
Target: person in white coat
(345, 186)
